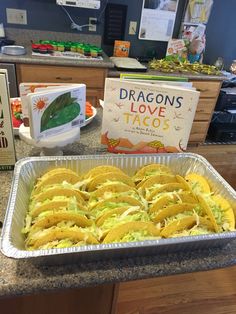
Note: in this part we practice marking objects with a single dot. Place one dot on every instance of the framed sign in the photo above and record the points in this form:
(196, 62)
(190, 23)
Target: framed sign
(157, 19)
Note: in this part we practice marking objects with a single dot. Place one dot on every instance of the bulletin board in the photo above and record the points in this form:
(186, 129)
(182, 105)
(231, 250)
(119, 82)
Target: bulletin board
(158, 19)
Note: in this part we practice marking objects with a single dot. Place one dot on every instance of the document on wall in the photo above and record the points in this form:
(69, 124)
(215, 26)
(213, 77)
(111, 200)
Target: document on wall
(157, 19)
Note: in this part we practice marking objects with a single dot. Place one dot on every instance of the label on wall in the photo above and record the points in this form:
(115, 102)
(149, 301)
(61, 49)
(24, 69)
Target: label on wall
(7, 148)
(147, 118)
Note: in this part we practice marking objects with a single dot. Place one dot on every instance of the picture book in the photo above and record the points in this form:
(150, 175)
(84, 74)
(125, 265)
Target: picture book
(55, 111)
(7, 148)
(147, 118)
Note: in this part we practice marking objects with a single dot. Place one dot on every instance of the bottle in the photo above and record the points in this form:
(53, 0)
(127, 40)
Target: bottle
(219, 64)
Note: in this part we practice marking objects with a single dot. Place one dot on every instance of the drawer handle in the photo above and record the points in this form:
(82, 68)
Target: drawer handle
(202, 90)
(66, 78)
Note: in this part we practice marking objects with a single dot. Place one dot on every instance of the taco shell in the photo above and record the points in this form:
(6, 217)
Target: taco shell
(208, 212)
(102, 170)
(157, 179)
(116, 211)
(119, 199)
(59, 191)
(227, 209)
(198, 180)
(181, 197)
(168, 187)
(54, 218)
(118, 232)
(102, 178)
(54, 205)
(112, 188)
(172, 210)
(56, 233)
(150, 170)
(56, 177)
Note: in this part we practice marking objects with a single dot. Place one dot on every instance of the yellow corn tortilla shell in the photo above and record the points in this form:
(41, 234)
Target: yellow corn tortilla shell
(172, 210)
(118, 232)
(193, 178)
(227, 209)
(57, 177)
(54, 205)
(181, 180)
(183, 224)
(184, 197)
(56, 233)
(158, 178)
(116, 211)
(208, 212)
(54, 218)
(169, 187)
(59, 191)
(102, 170)
(114, 187)
(151, 168)
(119, 199)
(102, 178)
(51, 172)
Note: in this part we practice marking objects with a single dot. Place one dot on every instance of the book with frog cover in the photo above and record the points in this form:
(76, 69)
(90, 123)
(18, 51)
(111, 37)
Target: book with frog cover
(55, 111)
(147, 118)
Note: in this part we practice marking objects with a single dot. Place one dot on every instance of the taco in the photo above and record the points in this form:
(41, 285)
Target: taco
(55, 237)
(198, 183)
(169, 198)
(111, 190)
(51, 191)
(106, 178)
(133, 231)
(115, 202)
(219, 212)
(187, 225)
(150, 170)
(119, 216)
(152, 194)
(54, 177)
(156, 180)
(56, 203)
(102, 170)
(172, 210)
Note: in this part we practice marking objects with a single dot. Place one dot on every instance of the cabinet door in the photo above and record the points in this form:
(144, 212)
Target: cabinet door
(92, 77)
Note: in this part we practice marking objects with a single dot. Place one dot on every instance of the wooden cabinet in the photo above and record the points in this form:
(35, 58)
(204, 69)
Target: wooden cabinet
(209, 91)
(94, 78)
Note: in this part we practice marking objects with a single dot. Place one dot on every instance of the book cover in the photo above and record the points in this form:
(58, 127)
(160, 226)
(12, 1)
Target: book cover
(7, 148)
(147, 118)
(56, 111)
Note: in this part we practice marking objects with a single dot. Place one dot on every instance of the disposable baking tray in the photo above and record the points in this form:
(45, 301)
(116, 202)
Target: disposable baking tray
(29, 169)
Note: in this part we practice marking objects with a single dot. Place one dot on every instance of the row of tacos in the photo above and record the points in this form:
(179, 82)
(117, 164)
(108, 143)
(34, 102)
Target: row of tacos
(105, 205)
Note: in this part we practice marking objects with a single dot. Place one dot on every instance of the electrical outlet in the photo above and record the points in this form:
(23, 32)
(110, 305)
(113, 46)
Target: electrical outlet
(132, 27)
(15, 16)
(92, 24)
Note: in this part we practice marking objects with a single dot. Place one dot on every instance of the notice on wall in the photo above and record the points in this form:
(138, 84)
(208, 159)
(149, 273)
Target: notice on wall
(157, 19)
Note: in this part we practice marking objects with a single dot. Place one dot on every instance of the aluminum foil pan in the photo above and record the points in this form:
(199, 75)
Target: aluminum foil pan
(29, 169)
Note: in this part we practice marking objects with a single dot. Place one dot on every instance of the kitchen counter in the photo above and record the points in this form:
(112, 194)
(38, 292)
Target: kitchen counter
(23, 277)
(190, 76)
(28, 58)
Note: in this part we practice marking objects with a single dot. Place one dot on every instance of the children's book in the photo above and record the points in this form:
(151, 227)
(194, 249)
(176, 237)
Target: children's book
(147, 118)
(56, 110)
(7, 148)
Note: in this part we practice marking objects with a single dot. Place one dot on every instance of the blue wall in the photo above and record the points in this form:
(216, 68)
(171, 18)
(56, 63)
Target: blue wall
(46, 15)
(221, 32)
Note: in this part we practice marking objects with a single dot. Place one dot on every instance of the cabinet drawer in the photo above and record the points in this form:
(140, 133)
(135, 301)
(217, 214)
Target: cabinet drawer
(208, 89)
(198, 132)
(205, 109)
(92, 77)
